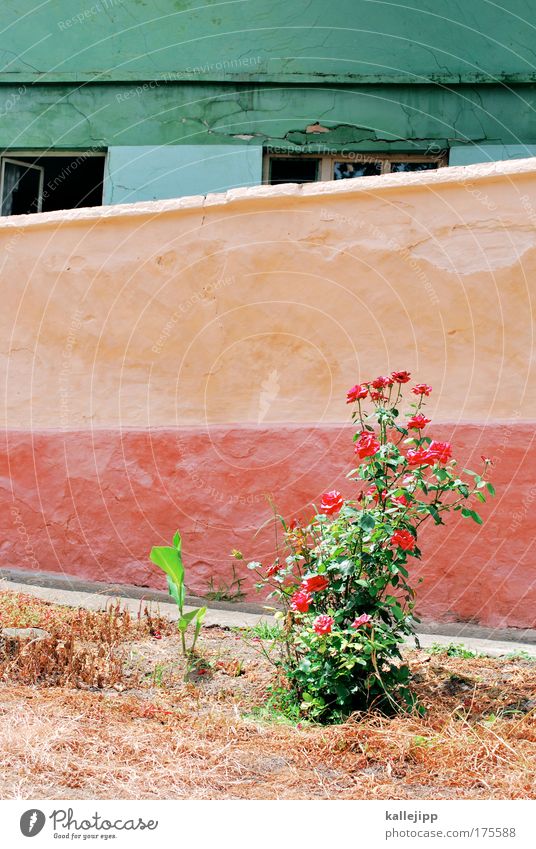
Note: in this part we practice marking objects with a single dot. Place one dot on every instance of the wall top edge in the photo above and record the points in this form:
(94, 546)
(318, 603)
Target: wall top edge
(297, 77)
(462, 175)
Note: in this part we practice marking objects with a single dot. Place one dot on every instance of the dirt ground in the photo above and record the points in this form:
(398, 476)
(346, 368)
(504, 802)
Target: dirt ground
(101, 710)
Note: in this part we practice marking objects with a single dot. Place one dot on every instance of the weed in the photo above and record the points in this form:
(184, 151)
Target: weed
(452, 650)
(521, 655)
(226, 592)
(263, 630)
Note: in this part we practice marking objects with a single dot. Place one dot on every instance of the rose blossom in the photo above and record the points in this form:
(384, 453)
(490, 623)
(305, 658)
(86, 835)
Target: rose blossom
(300, 601)
(360, 390)
(403, 539)
(418, 457)
(439, 451)
(364, 619)
(419, 421)
(380, 382)
(315, 583)
(273, 570)
(401, 376)
(367, 445)
(421, 389)
(323, 624)
(332, 502)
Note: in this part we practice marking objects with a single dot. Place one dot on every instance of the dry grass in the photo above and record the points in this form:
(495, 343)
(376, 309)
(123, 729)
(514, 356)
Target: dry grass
(154, 736)
(83, 646)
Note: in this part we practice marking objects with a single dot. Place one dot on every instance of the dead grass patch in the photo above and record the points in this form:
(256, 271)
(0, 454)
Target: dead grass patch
(153, 735)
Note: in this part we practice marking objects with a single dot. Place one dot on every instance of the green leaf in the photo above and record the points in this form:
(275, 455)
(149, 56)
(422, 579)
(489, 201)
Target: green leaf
(490, 488)
(174, 592)
(481, 497)
(435, 514)
(177, 542)
(471, 514)
(366, 522)
(170, 561)
(186, 618)
(198, 622)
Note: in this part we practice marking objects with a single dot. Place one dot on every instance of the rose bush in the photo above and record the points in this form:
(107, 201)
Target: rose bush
(344, 578)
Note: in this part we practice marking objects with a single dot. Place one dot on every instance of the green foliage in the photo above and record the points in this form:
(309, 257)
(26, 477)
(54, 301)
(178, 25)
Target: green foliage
(281, 706)
(263, 631)
(343, 580)
(452, 650)
(522, 655)
(169, 559)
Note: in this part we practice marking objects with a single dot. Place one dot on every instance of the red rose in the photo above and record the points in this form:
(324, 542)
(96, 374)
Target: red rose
(367, 445)
(300, 601)
(314, 584)
(402, 500)
(273, 570)
(360, 390)
(418, 457)
(401, 376)
(378, 396)
(364, 619)
(403, 539)
(441, 452)
(331, 502)
(421, 389)
(380, 382)
(419, 421)
(323, 624)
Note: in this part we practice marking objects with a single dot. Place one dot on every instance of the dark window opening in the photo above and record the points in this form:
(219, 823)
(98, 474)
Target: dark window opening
(293, 170)
(47, 183)
(347, 170)
(413, 166)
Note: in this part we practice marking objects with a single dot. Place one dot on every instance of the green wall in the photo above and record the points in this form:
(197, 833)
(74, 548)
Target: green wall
(268, 40)
(365, 117)
(135, 77)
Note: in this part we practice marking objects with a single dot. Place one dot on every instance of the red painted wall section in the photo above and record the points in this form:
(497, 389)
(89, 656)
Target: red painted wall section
(91, 504)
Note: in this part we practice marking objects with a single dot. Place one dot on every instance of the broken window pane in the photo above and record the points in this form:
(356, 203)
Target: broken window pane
(348, 170)
(413, 166)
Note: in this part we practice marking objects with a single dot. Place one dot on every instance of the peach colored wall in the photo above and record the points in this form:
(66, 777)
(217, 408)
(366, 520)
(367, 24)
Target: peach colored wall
(163, 364)
(177, 312)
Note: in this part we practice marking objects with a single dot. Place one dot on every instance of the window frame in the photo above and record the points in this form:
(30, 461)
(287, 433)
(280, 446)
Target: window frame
(326, 162)
(9, 160)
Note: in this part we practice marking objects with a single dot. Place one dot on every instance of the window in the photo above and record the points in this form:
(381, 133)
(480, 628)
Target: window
(45, 182)
(307, 167)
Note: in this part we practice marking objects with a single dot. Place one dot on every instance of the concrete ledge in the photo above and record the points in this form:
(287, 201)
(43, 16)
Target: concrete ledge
(63, 589)
(455, 175)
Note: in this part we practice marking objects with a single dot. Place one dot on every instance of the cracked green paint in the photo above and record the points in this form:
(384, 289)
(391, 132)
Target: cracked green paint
(357, 118)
